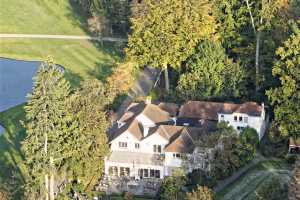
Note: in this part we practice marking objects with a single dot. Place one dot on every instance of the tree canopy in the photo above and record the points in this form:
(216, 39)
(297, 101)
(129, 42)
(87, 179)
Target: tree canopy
(286, 97)
(210, 74)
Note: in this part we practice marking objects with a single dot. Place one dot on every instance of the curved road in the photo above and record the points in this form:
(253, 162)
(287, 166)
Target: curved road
(65, 37)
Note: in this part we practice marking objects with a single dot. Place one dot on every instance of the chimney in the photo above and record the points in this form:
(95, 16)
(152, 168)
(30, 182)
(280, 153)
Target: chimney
(145, 131)
(174, 120)
(148, 100)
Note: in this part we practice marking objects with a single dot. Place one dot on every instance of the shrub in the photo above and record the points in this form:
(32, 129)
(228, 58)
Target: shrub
(274, 189)
(200, 193)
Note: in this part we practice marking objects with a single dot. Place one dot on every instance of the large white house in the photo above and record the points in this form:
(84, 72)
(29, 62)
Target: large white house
(150, 140)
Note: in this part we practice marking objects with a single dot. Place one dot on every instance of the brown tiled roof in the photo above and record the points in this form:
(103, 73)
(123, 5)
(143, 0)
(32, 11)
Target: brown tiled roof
(171, 108)
(210, 110)
(184, 141)
(182, 144)
(132, 126)
(154, 113)
(166, 131)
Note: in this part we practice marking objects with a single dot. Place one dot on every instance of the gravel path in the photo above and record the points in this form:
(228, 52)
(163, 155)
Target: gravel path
(65, 37)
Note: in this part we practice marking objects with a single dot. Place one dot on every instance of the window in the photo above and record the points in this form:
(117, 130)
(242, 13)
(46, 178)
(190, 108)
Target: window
(235, 118)
(222, 117)
(240, 118)
(146, 173)
(156, 148)
(239, 128)
(137, 145)
(124, 171)
(123, 144)
(246, 119)
(152, 173)
(176, 155)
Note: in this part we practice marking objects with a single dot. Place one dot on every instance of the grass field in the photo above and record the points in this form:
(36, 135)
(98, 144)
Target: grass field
(41, 17)
(12, 169)
(82, 59)
(244, 188)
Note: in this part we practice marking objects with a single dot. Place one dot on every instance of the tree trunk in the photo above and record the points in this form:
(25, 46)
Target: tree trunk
(51, 179)
(258, 34)
(167, 84)
(46, 187)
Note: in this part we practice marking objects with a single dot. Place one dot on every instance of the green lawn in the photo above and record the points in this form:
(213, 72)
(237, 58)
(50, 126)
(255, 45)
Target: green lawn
(244, 188)
(12, 169)
(41, 17)
(82, 59)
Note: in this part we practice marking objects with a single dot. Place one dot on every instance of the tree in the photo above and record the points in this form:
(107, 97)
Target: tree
(286, 97)
(87, 106)
(122, 79)
(49, 130)
(168, 33)
(210, 74)
(249, 136)
(172, 185)
(200, 193)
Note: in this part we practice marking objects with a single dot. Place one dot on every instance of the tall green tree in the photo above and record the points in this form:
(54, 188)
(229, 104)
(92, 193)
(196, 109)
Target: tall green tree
(286, 97)
(48, 128)
(167, 34)
(211, 74)
(87, 106)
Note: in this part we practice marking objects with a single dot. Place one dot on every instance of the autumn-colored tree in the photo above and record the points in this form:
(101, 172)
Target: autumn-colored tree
(168, 33)
(200, 193)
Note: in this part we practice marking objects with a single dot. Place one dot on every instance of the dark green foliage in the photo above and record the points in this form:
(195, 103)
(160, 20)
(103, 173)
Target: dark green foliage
(210, 74)
(274, 189)
(286, 97)
(201, 178)
(171, 187)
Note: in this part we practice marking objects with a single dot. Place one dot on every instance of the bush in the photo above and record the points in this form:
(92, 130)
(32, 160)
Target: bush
(128, 196)
(291, 159)
(200, 178)
(200, 193)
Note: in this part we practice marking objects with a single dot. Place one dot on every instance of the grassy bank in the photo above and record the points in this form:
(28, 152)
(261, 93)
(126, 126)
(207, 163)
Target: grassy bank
(244, 188)
(12, 168)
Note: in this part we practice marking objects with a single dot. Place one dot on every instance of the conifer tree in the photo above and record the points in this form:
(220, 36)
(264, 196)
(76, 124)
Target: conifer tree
(48, 128)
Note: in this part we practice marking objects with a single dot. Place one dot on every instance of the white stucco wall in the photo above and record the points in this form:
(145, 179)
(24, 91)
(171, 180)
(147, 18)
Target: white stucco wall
(256, 122)
(170, 161)
(125, 137)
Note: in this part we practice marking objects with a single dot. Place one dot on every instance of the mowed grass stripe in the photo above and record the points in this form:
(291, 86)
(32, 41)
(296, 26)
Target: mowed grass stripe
(41, 17)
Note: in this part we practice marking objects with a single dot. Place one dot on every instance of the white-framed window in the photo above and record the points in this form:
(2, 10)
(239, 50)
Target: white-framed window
(157, 148)
(222, 117)
(123, 144)
(176, 155)
(240, 118)
(137, 145)
(245, 119)
(235, 118)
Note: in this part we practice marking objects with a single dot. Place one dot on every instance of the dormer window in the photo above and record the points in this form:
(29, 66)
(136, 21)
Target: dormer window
(123, 144)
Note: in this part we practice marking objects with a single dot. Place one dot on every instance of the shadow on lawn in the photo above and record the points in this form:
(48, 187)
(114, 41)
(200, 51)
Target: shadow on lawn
(11, 173)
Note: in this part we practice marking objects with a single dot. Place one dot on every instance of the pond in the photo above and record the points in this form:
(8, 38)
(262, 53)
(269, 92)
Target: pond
(16, 81)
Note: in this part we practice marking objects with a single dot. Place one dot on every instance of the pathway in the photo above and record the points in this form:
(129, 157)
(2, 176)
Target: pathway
(65, 37)
(141, 87)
